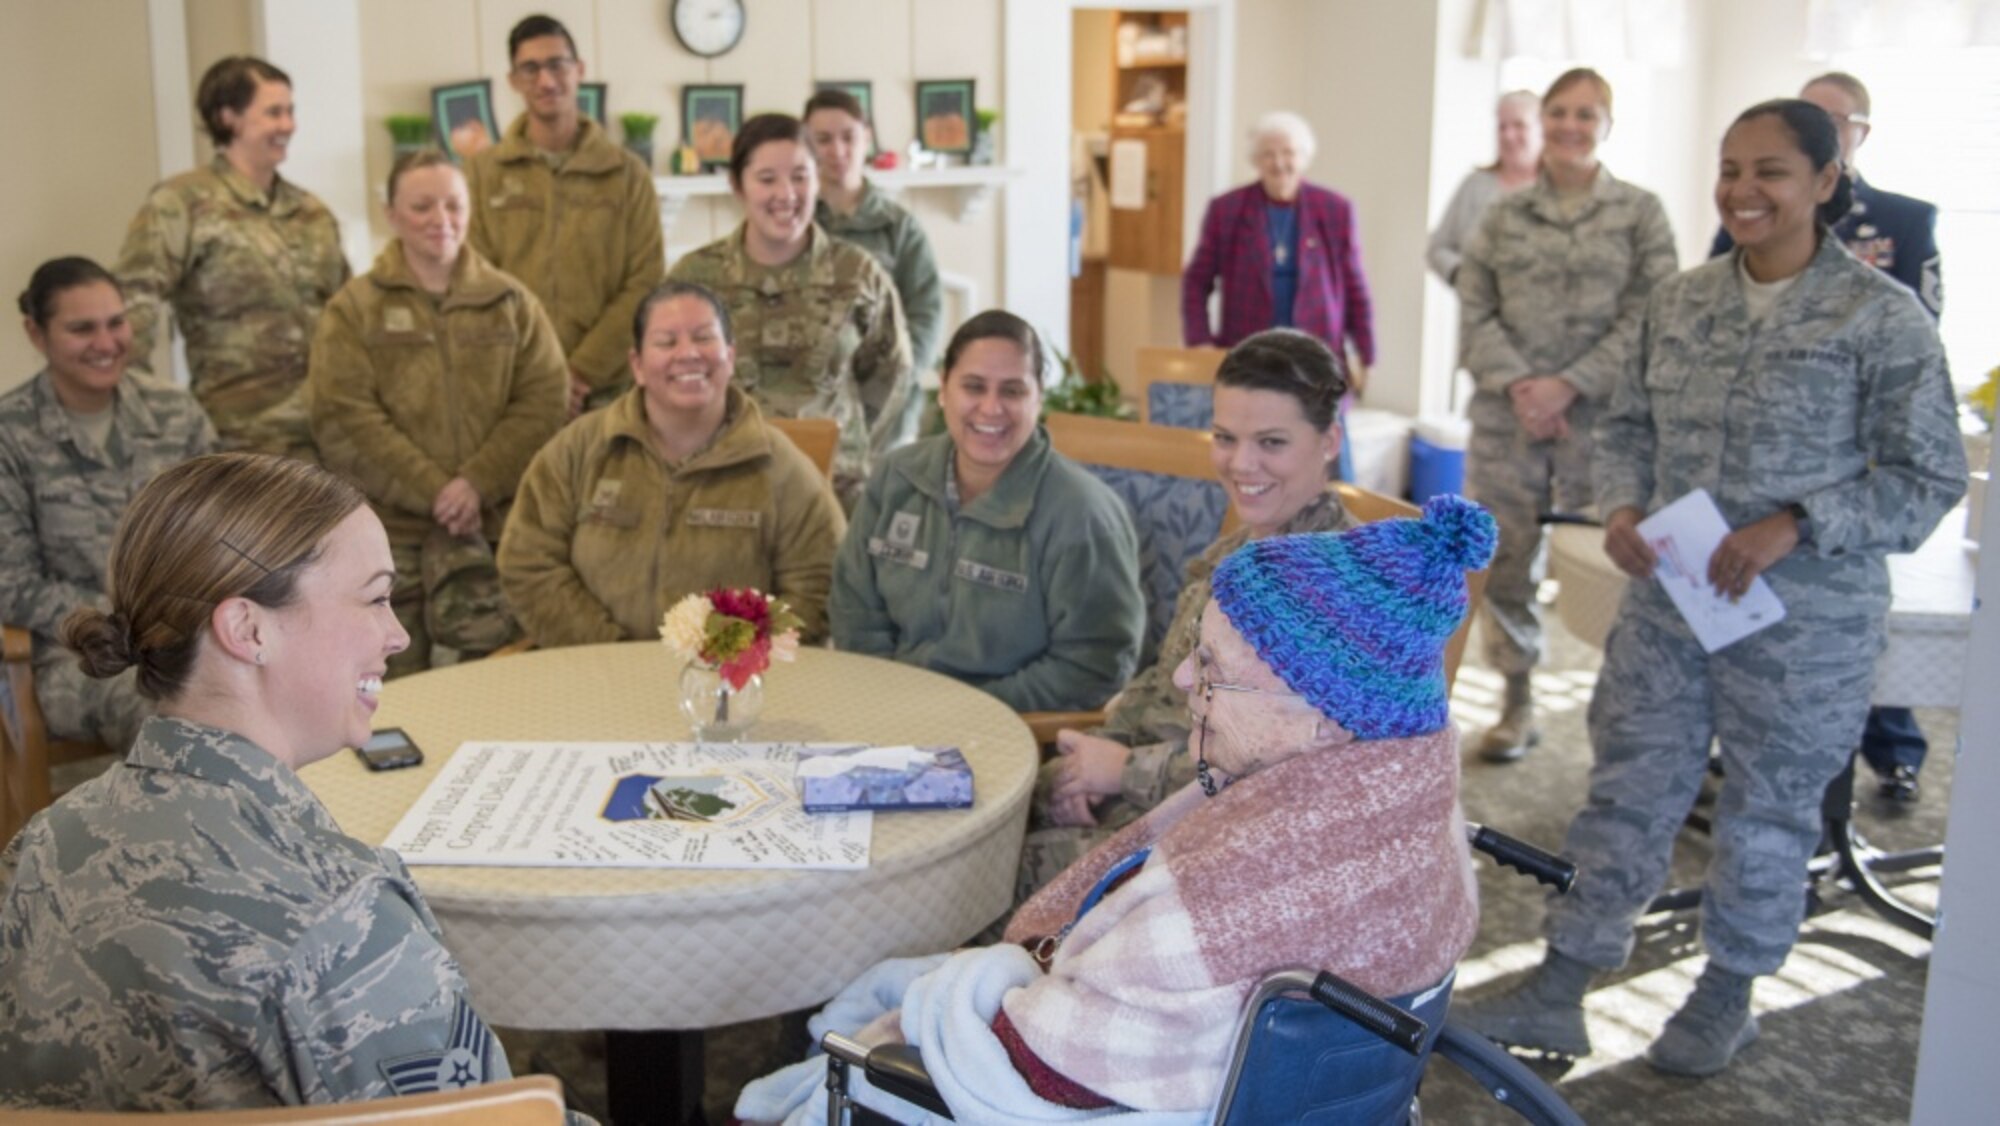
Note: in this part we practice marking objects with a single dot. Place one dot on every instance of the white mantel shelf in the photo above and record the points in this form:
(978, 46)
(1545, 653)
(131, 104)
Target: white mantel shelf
(969, 187)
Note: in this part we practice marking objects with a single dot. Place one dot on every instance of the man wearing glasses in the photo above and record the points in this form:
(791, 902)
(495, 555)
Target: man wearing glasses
(1897, 235)
(571, 214)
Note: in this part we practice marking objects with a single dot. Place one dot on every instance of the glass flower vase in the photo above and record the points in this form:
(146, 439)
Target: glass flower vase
(718, 712)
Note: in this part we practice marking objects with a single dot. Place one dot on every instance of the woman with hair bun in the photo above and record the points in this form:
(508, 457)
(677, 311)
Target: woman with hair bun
(1550, 292)
(1276, 429)
(76, 442)
(191, 931)
(245, 258)
(821, 331)
(1807, 392)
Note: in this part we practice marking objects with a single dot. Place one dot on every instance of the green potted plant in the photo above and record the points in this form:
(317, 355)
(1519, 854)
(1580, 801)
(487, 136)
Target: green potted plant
(639, 134)
(985, 142)
(408, 132)
(1074, 394)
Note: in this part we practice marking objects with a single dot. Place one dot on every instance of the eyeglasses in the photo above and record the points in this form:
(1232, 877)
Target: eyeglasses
(533, 68)
(1207, 686)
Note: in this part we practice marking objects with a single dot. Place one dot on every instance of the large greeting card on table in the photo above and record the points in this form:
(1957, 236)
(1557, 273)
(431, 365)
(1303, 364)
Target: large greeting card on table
(627, 805)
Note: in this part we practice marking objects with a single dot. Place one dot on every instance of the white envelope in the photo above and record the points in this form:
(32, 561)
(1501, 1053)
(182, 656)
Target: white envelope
(1684, 535)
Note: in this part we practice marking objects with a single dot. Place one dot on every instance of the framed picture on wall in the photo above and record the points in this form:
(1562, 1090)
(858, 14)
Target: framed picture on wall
(861, 90)
(590, 100)
(464, 115)
(944, 115)
(710, 117)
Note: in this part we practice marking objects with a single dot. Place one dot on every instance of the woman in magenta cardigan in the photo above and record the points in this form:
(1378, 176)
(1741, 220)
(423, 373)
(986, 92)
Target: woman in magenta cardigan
(1286, 255)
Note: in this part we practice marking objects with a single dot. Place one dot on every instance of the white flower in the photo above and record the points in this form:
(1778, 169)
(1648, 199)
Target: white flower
(684, 629)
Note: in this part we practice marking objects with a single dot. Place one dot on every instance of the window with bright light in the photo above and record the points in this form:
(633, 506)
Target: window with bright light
(1936, 136)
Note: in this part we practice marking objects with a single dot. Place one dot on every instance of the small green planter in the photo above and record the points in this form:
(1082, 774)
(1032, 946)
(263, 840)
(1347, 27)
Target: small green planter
(639, 134)
(408, 133)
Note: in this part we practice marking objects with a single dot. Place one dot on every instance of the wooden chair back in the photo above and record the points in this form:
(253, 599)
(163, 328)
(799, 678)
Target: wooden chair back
(26, 751)
(532, 1100)
(816, 438)
(1172, 365)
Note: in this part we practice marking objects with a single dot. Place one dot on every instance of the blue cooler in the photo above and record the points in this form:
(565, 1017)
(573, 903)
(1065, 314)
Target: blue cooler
(1437, 457)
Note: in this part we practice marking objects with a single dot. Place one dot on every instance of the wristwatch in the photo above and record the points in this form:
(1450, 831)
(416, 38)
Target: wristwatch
(1804, 519)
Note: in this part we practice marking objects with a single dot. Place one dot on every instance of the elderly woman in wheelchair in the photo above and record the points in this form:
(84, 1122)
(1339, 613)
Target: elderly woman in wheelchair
(1324, 830)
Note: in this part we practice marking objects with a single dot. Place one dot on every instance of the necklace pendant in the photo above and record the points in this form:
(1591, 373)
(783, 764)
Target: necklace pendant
(1283, 253)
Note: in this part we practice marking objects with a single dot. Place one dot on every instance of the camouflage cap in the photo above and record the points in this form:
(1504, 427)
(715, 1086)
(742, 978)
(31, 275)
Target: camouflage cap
(463, 606)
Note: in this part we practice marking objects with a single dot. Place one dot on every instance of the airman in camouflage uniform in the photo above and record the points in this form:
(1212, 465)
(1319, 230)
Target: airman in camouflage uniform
(261, 959)
(61, 494)
(1548, 287)
(1839, 402)
(820, 337)
(1151, 717)
(411, 392)
(888, 232)
(247, 275)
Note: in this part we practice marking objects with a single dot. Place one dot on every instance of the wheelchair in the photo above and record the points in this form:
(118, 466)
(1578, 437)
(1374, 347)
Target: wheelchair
(1309, 1046)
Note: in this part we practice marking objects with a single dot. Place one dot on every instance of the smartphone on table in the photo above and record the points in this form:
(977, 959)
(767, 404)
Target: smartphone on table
(391, 748)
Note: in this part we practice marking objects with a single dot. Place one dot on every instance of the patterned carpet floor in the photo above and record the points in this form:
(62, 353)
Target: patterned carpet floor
(1839, 1021)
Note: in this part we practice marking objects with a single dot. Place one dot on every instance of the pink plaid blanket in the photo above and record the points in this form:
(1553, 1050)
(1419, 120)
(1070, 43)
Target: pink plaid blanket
(1352, 860)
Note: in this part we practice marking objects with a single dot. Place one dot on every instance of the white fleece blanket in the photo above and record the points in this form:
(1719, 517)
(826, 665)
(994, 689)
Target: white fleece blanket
(948, 1009)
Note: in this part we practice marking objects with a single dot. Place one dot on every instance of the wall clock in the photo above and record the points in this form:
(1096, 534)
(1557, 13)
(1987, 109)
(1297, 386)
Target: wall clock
(708, 28)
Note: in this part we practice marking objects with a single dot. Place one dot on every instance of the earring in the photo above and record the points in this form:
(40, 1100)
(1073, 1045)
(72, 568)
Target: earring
(260, 658)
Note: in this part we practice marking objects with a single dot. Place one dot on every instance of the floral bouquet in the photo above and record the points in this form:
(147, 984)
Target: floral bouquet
(1982, 398)
(735, 631)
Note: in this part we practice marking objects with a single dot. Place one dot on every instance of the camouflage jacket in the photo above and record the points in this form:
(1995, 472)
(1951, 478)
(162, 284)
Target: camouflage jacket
(61, 496)
(888, 232)
(192, 931)
(1151, 714)
(584, 238)
(410, 390)
(1545, 292)
(605, 536)
(1839, 400)
(247, 275)
(822, 337)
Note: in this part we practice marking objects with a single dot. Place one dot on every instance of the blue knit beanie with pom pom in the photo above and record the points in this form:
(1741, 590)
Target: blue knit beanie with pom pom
(1357, 622)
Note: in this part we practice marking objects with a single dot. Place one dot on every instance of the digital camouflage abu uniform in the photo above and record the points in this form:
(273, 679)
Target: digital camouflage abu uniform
(1030, 592)
(887, 230)
(582, 233)
(411, 391)
(246, 275)
(192, 931)
(819, 337)
(1838, 401)
(1151, 717)
(1547, 287)
(61, 495)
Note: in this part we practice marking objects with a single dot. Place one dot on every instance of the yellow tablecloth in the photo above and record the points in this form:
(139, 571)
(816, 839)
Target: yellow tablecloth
(677, 949)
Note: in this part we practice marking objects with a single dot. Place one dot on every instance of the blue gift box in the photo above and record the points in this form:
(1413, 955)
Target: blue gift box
(844, 778)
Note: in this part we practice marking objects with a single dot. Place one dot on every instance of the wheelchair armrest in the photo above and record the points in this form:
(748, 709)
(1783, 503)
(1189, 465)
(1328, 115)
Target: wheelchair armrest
(1511, 1083)
(1512, 852)
(896, 1070)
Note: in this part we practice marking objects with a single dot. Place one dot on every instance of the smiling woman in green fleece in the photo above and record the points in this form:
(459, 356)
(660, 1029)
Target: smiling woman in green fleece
(984, 554)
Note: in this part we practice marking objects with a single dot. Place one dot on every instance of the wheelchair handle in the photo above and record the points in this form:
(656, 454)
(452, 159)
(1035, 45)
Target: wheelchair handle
(1511, 852)
(1396, 1025)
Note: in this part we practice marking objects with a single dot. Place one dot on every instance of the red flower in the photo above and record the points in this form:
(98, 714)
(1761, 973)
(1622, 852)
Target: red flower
(746, 604)
(753, 660)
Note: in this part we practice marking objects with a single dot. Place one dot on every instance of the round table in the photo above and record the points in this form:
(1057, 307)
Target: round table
(584, 948)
